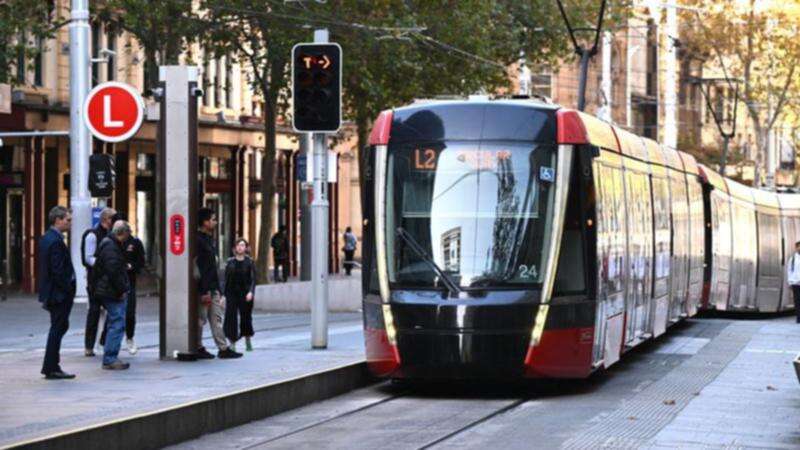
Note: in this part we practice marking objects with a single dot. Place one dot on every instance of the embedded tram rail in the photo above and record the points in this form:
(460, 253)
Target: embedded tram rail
(708, 383)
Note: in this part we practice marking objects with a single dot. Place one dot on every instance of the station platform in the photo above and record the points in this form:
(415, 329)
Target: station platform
(282, 372)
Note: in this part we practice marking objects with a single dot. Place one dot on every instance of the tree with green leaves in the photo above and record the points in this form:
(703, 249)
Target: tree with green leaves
(394, 51)
(24, 24)
(757, 45)
(164, 29)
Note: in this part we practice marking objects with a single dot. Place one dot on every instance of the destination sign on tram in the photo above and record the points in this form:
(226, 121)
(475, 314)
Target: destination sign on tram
(427, 159)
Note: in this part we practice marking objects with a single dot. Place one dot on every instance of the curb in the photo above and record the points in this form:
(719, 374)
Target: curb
(180, 423)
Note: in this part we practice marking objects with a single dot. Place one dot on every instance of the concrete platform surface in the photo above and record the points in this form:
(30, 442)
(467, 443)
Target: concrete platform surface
(32, 407)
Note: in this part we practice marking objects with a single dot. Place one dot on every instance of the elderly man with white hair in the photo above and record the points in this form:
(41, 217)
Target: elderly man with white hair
(111, 289)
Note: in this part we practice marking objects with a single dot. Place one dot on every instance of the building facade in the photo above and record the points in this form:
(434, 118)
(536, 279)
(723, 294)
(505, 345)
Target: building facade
(34, 172)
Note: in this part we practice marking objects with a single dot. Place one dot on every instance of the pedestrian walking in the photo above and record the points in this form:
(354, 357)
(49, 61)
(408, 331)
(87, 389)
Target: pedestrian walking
(280, 254)
(134, 255)
(212, 308)
(793, 277)
(111, 286)
(350, 243)
(240, 288)
(56, 288)
(89, 242)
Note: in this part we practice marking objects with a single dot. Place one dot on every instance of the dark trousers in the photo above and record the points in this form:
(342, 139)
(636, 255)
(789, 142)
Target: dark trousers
(92, 322)
(796, 293)
(59, 324)
(130, 317)
(284, 265)
(238, 318)
(348, 261)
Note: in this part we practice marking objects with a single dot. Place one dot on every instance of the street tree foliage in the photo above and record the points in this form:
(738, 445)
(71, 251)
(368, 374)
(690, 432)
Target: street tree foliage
(394, 51)
(756, 43)
(24, 27)
(164, 29)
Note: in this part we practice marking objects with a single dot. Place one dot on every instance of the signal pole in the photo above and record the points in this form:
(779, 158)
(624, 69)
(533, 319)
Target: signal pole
(319, 236)
(80, 141)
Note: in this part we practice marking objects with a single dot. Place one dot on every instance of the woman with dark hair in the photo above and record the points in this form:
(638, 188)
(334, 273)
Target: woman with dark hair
(240, 286)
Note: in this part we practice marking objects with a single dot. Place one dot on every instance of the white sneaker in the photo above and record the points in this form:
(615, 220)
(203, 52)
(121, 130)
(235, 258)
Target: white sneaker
(132, 348)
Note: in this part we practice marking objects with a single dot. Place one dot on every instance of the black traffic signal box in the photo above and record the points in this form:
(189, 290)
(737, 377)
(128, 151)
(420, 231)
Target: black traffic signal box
(317, 87)
(101, 175)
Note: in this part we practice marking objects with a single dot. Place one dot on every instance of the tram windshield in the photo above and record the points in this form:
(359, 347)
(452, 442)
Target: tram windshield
(482, 211)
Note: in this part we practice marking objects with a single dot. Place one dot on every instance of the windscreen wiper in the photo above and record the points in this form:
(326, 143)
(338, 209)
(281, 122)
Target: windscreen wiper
(448, 282)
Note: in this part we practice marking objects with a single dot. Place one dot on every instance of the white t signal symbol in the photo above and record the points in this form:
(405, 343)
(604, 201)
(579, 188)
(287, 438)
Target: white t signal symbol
(108, 122)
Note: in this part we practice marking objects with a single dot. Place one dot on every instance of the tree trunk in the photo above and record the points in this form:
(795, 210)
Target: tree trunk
(267, 185)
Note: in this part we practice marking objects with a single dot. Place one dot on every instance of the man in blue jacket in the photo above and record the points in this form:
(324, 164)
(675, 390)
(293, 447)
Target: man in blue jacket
(56, 288)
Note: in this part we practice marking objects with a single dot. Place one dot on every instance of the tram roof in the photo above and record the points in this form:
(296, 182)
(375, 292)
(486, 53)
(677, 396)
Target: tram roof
(576, 127)
(632, 145)
(713, 178)
(690, 164)
(739, 190)
(765, 198)
(789, 201)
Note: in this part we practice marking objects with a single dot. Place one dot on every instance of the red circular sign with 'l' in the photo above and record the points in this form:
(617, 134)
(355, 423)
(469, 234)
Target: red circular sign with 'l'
(113, 111)
(177, 234)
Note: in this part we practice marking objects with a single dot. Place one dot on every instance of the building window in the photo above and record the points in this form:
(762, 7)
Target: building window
(206, 83)
(95, 52)
(541, 83)
(111, 44)
(21, 63)
(229, 83)
(38, 61)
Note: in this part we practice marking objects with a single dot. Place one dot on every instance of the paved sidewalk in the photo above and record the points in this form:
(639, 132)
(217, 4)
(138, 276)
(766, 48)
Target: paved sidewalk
(32, 407)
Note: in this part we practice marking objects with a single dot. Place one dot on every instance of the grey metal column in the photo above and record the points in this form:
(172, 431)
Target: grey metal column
(319, 226)
(80, 141)
(179, 171)
(319, 247)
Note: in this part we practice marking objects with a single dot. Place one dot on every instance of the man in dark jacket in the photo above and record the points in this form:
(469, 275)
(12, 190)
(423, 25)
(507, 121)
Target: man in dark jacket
(56, 288)
(89, 242)
(211, 309)
(134, 254)
(111, 286)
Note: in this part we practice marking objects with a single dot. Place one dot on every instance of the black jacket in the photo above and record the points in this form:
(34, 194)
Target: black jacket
(134, 254)
(207, 266)
(111, 270)
(240, 277)
(56, 274)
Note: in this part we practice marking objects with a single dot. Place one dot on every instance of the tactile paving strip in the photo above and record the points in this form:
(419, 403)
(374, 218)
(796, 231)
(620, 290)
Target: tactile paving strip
(641, 417)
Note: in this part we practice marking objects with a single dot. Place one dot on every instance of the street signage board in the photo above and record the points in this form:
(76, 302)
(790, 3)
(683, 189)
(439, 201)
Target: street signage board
(113, 111)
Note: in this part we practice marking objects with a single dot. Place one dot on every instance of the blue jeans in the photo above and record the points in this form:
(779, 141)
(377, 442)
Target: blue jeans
(115, 319)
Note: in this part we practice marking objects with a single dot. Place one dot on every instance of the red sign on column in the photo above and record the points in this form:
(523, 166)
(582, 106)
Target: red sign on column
(113, 111)
(177, 234)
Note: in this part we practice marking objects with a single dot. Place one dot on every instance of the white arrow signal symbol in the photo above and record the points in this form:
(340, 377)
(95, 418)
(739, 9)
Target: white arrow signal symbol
(327, 62)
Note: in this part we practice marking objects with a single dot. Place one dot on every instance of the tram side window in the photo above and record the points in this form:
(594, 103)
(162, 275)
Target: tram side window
(570, 274)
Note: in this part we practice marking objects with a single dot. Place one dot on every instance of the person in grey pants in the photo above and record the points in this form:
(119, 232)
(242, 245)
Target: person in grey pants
(211, 308)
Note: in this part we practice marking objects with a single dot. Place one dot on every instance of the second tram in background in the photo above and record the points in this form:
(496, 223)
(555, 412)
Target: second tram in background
(511, 238)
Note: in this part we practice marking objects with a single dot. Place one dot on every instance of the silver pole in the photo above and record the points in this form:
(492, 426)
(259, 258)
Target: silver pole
(80, 141)
(319, 236)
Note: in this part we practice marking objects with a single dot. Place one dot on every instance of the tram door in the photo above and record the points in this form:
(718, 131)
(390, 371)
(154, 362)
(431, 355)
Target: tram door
(13, 236)
(640, 250)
